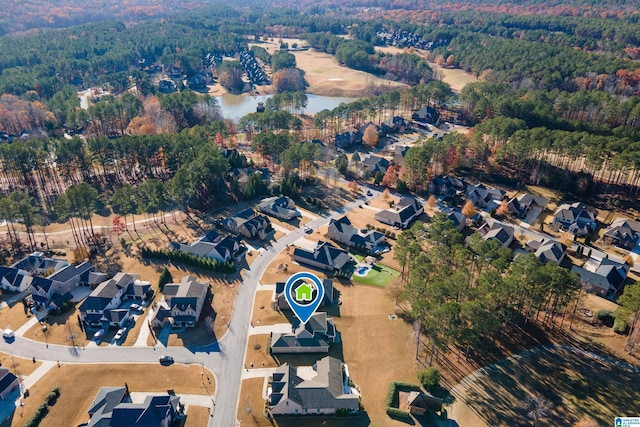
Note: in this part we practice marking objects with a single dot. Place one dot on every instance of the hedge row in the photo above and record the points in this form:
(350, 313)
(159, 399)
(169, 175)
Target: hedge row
(189, 259)
(42, 410)
(392, 398)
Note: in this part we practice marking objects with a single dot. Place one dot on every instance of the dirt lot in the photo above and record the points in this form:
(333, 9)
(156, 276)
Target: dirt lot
(76, 393)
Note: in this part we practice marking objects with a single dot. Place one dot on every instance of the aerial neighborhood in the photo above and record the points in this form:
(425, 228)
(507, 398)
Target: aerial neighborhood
(342, 213)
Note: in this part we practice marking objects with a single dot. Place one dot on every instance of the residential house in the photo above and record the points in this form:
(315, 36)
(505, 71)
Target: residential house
(575, 218)
(182, 303)
(426, 114)
(458, 219)
(396, 124)
(241, 175)
(331, 295)
(375, 164)
(603, 278)
(56, 289)
(112, 407)
(321, 389)
(622, 232)
(167, 86)
(445, 186)
(281, 207)
(398, 154)
(101, 309)
(348, 139)
(485, 198)
(38, 264)
(248, 224)
(315, 336)
(14, 279)
(521, 205)
(341, 231)
(498, 231)
(324, 256)
(19, 276)
(419, 403)
(8, 383)
(223, 249)
(401, 215)
(547, 251)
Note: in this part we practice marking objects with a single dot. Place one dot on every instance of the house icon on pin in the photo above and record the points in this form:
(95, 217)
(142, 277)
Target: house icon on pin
(303, 292)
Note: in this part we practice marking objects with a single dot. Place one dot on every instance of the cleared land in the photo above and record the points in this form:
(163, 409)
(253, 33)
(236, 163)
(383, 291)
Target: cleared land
(575, 383)
(263, 313)
(76, 393)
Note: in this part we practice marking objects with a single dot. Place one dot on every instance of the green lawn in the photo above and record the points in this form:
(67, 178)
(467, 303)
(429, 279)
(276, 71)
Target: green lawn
(379, 275)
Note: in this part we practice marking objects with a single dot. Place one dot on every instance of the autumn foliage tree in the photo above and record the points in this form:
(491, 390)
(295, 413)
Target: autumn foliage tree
(289, 79)
(390, 178)
(503, 209)
(370, 136)
(431, 201)
(469, 209)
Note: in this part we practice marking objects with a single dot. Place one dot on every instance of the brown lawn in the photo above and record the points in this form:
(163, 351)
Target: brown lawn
(258, 353)
(197, 416)
(251, 404)
(13, 317)
(326, 77)
(63, 329)
(263, 313)
(18, 365)
(76, 393)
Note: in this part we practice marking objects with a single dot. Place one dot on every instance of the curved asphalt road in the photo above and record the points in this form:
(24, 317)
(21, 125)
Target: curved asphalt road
(224, 358)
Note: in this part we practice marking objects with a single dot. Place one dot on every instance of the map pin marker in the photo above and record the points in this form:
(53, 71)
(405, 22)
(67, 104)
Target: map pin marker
(304, 292)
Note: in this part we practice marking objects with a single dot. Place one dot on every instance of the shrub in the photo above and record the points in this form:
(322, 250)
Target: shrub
(165, 277)
(605, 317)
(430, 378)
(397, 413)
(189, 259)
(620, 326)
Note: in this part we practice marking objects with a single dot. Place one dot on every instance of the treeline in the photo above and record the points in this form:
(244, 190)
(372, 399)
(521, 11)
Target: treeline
(190, 260)
(466, 296)
(361, 55)
(400, 101)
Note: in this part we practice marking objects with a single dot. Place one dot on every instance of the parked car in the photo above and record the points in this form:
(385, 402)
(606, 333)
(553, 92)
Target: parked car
(119, 334)
(166, 360)
(136, 307)
(98, 335)
(308, 230)
(369, 193)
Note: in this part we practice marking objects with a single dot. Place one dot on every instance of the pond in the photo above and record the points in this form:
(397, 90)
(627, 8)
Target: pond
(235, 106)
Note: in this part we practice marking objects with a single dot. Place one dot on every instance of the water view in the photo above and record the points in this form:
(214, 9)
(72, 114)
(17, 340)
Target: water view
(236, 106)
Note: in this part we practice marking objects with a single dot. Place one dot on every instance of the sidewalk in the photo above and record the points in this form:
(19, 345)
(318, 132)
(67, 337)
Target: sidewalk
(144, 329)
(279, 328)
(24, 328)
(30, 380)
(257, 373)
